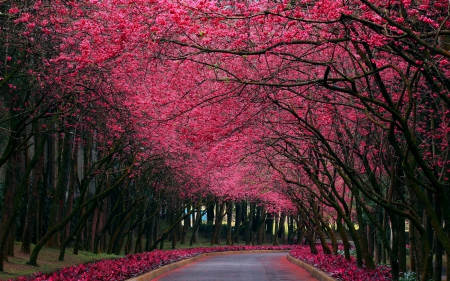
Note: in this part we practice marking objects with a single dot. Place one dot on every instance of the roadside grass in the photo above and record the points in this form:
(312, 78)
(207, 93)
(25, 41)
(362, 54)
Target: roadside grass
(47, 261)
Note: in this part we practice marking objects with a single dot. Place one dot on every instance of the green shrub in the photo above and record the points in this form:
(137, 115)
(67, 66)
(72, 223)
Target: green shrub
(408, 276)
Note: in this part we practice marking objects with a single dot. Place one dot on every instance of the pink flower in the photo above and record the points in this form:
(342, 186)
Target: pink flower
(13, 10)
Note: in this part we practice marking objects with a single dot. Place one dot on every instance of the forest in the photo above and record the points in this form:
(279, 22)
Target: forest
(123, 123)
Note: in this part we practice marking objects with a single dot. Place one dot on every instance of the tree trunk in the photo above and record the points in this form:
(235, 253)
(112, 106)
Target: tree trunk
(149, 232)
(249, 227)
(438, 261)
(140, 232)
(261, 227)
(76, 231)
(277, 223)
(60, 225)
(361, 239)
(129, 243)
(12, 198)
(70, 198)
(290, 230)
(165, 234)
(318, 230)
(61, 187)
(282, 228)
(32, 207)
(220, 213)
(7, 223)
(186, 225)
(229, 213)
(175, 232)
(210, 214)
(107, 220)
(115, 238)
(198, 220)
(439, 250)
(269, 223)
(447, 264)
(344, 237)
(393, 258)
(237, 226)
(402, 244)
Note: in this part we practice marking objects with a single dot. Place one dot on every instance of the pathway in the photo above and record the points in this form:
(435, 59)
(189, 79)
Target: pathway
(240, 267)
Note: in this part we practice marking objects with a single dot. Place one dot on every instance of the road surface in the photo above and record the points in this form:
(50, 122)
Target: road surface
(240, 267)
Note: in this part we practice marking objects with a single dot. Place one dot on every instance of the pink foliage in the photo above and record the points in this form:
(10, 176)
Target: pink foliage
(340, 268)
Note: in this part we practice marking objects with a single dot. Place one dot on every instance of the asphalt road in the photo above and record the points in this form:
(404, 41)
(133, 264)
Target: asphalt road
(240, 267)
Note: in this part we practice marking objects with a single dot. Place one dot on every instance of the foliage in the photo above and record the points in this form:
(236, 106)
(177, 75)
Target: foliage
(340, 268)
(135, 265)
(408, 276)
(351, 251)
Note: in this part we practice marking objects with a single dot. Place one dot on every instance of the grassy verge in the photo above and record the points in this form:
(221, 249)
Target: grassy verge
(48, 261)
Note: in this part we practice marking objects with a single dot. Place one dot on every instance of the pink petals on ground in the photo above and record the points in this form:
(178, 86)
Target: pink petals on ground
(135, 265)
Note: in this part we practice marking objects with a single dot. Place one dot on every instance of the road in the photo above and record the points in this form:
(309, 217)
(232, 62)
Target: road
(240, 267)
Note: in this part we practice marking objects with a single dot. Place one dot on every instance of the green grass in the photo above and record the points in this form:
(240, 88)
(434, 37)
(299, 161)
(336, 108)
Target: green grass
(47, 261)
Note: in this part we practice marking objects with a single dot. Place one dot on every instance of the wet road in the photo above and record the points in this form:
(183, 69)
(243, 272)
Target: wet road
(240, 267)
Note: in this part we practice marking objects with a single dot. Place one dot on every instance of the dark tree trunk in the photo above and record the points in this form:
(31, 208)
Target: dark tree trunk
(237, 227)
(261, 227)
(249, 227)
(186, 225)
(140, 232)
(104, 193)
(282, 228)
(402, 244)
(220, 213)
(175, 232)
(229, 221)
(395, 247)
(198, 219)
(344, 237)
(290, 230)
(438, 261)
(210, 214)
(70, 198)
(447, 265)
(114, 242)
(76, 232)
(12, 196)
(10, 243)
(269, 223)
(6, 223)
(28, 230)
(61, 187)
(149, 232)
(275, 236)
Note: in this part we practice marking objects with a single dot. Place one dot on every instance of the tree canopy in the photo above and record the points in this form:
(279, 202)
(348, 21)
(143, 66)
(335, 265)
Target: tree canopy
(335, 111)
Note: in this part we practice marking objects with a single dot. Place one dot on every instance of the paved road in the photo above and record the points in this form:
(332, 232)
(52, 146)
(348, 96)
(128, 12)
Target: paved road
(240, 267)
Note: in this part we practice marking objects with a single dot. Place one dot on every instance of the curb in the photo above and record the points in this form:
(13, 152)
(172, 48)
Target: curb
(160, 271)
(317, 273)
